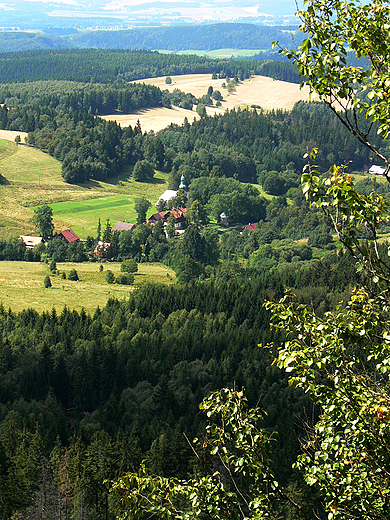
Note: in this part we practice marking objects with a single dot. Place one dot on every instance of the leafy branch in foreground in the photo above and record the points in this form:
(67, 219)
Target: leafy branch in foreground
(334, 30)
(357, 219)
(237, 482)
(342, 361)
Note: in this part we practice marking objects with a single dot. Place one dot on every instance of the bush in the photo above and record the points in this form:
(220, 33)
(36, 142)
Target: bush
(47, 282)
(125, 279)
(53, 266)
(143, 171)
(129, 266)
(110, 278)
(73, 276)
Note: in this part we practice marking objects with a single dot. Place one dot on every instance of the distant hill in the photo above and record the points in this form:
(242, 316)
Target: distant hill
(27, 41)
(186, 37)
(194, 37)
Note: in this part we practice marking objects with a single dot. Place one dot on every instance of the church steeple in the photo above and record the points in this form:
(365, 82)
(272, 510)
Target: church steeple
(183, 184)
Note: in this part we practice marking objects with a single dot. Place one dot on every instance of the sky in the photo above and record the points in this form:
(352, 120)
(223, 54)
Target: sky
(134, 12)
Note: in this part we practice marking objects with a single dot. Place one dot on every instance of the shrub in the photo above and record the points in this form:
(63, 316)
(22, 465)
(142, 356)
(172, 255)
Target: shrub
(110, 278)
(129, 266)
(73, 276)
(53, 266)
(47, 282)
(125, 279)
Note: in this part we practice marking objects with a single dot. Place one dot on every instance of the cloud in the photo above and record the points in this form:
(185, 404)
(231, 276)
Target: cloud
(7, 7)
(52, 2)
(122, 4)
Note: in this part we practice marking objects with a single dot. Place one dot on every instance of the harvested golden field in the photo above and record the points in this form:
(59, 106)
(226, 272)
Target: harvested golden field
(258, 90)
(9, 135)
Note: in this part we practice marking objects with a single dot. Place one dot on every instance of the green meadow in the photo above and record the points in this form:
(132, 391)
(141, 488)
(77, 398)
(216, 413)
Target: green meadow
(21, 285)
(30, 178)
(115, 202)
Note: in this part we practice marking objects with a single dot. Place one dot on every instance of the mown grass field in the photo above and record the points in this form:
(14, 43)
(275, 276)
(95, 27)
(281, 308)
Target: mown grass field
(115, 202)
(31, 178)
(21, 285)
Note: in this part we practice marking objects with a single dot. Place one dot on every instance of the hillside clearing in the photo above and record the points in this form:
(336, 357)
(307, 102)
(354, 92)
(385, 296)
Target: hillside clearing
(265, 92)
(21, 285)
(31, 178)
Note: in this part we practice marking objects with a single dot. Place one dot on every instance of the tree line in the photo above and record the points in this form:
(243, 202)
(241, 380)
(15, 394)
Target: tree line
(110, 65)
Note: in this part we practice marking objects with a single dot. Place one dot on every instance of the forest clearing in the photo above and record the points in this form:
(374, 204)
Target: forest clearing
(22, 284)
(32, 178)
(262, 91)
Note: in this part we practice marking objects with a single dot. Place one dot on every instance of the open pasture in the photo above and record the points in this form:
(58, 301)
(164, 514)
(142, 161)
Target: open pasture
(115, 202)
(21, 285)
(265, 92)
(30, 178)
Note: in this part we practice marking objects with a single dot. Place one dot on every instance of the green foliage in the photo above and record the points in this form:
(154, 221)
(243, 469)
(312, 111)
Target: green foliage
(73, 276)
(110, 277)
(47, 282)
(274, 184)
(201, 110)
(143, 171)
(125, 279)
(141, 206)
(196, 214)
(129, 266)
(332, 30)
(43, 219)
(342, 362)
(239, 485)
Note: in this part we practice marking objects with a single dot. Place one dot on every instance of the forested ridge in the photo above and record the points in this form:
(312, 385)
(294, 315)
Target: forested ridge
(85, 398)
(106, 66)
(186, 37)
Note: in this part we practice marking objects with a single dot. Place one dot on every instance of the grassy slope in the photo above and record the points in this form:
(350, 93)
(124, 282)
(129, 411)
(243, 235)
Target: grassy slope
(21, 285)
(33, 178)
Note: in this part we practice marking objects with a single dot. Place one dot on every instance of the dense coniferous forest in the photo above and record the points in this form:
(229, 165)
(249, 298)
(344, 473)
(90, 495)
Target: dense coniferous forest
(85, 398)
(106, 66)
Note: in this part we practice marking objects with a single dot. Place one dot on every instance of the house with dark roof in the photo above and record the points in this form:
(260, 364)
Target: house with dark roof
(121, 225)
(68, 236)
(161, 215)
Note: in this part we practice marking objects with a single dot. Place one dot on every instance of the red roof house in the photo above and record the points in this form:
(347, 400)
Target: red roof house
(68, 236)
(161, 215)
(251, 227)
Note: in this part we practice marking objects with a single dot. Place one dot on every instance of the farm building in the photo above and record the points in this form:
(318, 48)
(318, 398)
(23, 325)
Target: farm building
(121, 225)
(31, 241)
(376, 170)
(250, 227)
(68, 236)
